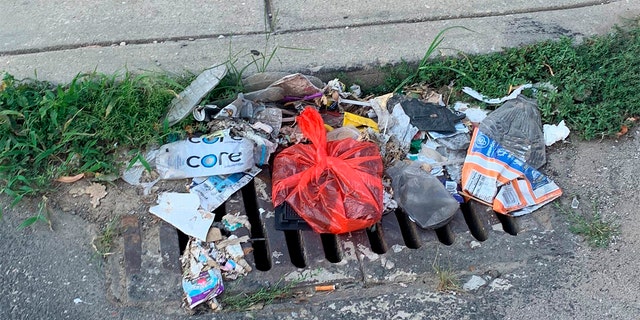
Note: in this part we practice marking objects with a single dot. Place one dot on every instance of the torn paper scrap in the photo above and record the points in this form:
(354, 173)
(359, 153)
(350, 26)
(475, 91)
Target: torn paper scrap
(554, 133)
(493, 175)
(215, 190)
(181, 211)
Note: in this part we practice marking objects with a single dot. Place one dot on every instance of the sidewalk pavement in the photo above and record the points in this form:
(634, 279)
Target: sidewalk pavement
(59, 39)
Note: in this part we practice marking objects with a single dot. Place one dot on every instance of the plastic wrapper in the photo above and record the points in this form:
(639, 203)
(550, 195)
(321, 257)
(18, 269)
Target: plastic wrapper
(517, 127)
(493, 175)
(295, 86)
(203, 288)
(215, 154)
(335, 186)
(422, 196)
(357, 121)
(554, 133)
(184, 103)
(430, 116)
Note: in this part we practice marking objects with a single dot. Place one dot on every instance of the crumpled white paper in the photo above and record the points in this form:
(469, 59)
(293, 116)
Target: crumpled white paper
(554, 133)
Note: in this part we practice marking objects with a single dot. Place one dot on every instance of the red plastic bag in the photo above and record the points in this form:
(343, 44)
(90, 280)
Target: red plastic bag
(336, 187)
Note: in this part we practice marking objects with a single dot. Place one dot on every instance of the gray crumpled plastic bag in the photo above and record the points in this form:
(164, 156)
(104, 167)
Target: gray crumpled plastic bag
(517, 127)
(421, 195)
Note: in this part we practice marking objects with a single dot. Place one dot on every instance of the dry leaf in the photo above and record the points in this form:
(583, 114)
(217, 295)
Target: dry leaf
(622, 132)
(434, 97)
(96, 191)
(70, 179)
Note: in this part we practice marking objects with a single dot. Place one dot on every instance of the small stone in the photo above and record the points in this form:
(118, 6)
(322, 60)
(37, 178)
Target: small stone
(123, 43)
(497, 227)
(474, 283)
(575, 203)
(500, 284)
(397, 248)
(475, 244)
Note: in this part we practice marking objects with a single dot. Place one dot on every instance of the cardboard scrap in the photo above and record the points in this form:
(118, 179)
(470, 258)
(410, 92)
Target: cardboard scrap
(214, 235)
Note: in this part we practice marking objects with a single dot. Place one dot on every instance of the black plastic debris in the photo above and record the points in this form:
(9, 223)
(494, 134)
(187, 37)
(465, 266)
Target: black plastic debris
(428, 116)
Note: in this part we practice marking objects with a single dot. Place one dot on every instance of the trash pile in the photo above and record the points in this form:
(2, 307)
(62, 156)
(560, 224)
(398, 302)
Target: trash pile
(339, 162)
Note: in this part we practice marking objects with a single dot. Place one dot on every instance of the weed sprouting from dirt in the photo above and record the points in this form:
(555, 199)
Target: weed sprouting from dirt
(447, 278)
(258, 61)
(104, 242)
(425, 64)
(596, 231)
(264, 296)
(43, 215)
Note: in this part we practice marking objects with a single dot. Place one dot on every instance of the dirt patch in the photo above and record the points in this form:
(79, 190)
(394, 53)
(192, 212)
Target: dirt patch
(120, 199)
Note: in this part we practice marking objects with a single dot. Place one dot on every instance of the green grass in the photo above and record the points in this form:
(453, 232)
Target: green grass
(596, 231)
(47, 130)
(597, 80)
(43, 215)
(89, 124)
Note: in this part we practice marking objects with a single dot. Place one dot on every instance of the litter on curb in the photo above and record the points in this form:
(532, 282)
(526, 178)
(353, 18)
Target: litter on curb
(338, 162)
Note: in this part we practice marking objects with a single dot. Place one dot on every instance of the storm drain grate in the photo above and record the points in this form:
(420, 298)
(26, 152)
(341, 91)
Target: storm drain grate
(271, 226)
(393, 249)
